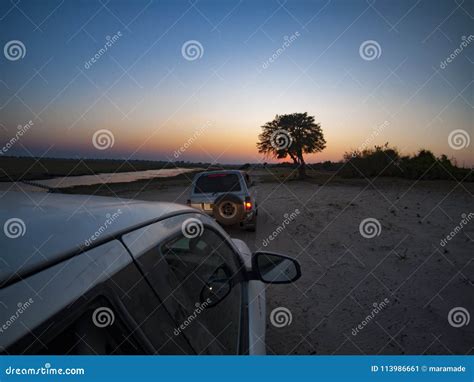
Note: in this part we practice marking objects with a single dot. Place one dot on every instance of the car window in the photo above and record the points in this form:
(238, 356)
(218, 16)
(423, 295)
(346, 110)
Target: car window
(204, 271)
(248, 182)
(220, 182)
(98, 329)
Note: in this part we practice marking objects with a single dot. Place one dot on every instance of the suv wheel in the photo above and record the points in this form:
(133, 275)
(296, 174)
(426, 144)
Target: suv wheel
(228, 209)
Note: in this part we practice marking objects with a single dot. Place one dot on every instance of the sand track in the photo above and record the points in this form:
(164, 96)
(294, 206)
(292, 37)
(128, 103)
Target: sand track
(345, 274)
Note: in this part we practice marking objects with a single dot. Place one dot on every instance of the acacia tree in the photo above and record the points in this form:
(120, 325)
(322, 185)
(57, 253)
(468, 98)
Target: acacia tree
(291, 135)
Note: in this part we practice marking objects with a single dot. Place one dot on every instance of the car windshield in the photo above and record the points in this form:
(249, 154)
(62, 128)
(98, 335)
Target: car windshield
(217, 183)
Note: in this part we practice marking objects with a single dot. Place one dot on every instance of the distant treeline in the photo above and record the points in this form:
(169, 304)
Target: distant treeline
(386, 161)
(322, 166)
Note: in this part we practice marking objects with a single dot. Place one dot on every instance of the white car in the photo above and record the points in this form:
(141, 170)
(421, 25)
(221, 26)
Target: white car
(96, 275)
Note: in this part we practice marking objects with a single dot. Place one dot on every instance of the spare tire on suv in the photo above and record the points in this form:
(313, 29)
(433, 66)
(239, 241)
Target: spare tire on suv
(228, 209)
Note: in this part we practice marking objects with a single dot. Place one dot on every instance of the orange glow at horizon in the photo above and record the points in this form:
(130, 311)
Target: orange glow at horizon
(223, 138)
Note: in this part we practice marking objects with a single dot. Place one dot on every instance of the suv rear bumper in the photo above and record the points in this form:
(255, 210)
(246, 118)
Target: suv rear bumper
(205, 207)
(208, 207)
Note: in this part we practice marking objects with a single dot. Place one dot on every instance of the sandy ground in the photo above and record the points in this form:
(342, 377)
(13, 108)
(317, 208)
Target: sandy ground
(345, 274)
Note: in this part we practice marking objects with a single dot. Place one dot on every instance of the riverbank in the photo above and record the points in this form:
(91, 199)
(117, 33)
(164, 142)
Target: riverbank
(30, 168)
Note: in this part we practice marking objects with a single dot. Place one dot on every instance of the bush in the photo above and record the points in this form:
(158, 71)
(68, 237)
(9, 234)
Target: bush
(379, 161)
(386, 161)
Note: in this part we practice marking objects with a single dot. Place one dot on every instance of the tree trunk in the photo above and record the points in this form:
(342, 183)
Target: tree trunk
(301, 166)
(294, 157)
(295, 160)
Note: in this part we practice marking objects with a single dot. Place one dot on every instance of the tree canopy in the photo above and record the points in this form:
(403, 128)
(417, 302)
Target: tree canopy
(291, 135)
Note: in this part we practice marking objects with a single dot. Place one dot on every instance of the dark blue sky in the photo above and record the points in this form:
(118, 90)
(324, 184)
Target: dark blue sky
(152, 99)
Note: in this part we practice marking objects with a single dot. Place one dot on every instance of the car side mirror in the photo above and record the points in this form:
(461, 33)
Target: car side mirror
(273, 268)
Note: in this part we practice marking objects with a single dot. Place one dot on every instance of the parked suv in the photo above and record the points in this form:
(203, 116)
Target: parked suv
(97, 275)
(228, 195)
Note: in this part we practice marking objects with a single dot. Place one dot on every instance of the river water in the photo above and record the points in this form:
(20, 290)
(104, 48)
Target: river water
(87, 180)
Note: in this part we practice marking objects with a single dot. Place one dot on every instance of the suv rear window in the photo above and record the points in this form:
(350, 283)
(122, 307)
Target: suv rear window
(217, 183)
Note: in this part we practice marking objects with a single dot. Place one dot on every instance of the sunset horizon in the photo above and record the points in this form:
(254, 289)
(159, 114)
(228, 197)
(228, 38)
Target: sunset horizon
(153, 84)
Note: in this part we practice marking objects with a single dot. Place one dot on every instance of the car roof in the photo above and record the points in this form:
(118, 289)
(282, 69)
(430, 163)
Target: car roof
(41, 229)
(237, 172)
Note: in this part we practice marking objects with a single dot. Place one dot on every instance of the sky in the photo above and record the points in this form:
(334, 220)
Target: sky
(146, 96)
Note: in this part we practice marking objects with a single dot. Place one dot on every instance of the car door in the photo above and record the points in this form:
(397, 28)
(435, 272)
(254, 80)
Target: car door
(198, 278)
(96, 302)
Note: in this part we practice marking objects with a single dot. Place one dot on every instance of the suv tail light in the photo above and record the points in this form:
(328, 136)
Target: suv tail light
(248, 204)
